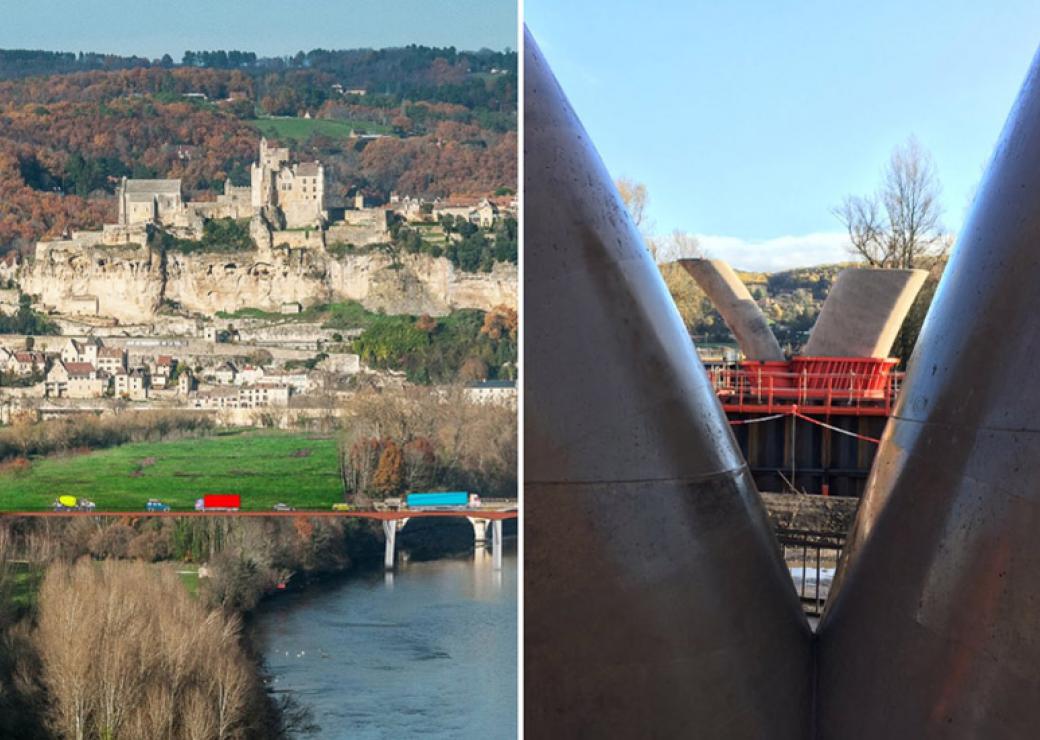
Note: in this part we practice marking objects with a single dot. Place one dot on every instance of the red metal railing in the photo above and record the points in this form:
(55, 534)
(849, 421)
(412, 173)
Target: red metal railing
(815, 385)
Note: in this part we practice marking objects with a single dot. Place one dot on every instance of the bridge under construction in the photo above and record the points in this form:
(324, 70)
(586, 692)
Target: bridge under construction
(656, 602)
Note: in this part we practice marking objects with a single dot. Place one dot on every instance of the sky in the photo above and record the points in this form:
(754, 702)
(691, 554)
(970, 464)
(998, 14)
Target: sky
(266, 27)
(749, 121)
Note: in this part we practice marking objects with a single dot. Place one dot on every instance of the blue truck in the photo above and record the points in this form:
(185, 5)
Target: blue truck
(442, 500)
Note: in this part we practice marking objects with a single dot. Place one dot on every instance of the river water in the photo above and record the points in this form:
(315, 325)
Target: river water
(428, 651)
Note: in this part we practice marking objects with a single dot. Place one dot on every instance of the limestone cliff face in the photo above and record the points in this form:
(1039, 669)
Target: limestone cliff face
(263, 279)
(420, 284)
(130, 283)
(126, 281)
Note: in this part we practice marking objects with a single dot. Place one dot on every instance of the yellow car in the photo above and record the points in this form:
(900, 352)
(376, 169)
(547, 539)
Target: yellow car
(342, 507)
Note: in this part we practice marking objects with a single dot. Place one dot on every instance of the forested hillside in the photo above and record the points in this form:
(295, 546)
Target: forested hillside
(72, 125)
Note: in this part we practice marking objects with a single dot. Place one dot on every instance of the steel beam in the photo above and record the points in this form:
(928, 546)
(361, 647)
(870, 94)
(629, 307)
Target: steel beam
(934, 629)
(656, 603)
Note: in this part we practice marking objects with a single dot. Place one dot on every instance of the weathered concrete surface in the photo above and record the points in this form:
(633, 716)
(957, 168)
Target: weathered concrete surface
(863, 313)
(742, 315)
(934, 629)
(656, 603)
(813, 513)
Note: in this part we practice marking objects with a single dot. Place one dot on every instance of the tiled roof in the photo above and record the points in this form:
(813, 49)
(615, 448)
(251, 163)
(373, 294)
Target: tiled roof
(79, 368)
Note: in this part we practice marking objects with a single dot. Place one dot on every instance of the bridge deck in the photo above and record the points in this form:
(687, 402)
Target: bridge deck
(367, 514)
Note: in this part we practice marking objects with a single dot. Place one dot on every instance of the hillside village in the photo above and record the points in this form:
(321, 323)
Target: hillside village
(242, 334)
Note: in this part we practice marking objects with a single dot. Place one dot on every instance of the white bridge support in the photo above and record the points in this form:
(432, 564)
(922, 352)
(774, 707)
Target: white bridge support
(480, 537)
(496, 547)
(390, 527)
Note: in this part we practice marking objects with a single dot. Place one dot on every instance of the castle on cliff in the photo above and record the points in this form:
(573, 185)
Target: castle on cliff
(289, 195)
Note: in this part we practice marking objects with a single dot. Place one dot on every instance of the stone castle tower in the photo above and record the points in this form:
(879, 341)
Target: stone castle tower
(294, 189)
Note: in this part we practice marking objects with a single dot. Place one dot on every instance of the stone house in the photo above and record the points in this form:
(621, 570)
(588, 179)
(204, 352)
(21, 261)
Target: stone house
(249, 374)
(484, 215)
(81, 352)
(111, 360)
(74, 380)
(298, 380)
(132, 385)
(24, 363)
(225, 373)
(244, 397)
(162, 370)
(185, 383)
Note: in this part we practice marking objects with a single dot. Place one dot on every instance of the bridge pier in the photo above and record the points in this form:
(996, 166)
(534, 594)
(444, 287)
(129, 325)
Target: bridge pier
(390, 530)
(479, 530)
(496, 546)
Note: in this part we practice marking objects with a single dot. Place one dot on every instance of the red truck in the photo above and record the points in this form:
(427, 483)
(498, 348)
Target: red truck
(218, 502)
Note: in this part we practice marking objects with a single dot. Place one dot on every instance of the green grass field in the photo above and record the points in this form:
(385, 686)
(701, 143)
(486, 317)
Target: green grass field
(300, 129)
(343, 315)
(263, 467)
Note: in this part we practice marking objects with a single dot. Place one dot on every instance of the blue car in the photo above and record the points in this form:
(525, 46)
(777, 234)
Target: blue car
(155, 504)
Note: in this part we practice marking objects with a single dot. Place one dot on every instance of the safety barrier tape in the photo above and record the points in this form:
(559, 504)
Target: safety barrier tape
(833, 428)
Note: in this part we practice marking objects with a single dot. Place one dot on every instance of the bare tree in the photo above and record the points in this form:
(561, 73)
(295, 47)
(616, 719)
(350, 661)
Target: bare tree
(126, 652)
(679, 245)
(635, 197)
(899, 226)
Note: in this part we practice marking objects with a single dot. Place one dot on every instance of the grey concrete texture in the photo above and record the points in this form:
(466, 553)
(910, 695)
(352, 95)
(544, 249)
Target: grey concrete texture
(742, 315)
(656, 603)
(934, 629)
(863, 313)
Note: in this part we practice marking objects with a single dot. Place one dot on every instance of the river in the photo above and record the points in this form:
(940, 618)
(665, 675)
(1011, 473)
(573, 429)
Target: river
(428, 651)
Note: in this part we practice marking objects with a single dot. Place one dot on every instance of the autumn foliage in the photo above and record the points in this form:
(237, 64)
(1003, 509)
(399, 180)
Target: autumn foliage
(66, 139)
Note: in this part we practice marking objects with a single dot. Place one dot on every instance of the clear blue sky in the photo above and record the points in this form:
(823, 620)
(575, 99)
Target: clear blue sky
(749, 120)
(267, 27)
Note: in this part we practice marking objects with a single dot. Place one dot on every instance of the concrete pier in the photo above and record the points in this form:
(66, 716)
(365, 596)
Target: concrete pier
(390, 530)
(742, 315)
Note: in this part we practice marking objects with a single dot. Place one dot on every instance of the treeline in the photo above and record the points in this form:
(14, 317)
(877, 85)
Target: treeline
(100, 638)
(27, 438)
(465, 346)
(15, 63)
(483, 79)
(417, 439)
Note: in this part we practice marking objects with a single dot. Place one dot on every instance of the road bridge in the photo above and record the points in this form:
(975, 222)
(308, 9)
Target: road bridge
(394, 520)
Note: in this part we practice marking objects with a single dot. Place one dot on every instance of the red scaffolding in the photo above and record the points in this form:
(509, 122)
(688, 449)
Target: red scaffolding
(814, 386)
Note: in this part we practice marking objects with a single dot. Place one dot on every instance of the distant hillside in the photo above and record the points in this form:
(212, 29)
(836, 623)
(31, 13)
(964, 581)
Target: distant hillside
(791, 300)
(420, 121)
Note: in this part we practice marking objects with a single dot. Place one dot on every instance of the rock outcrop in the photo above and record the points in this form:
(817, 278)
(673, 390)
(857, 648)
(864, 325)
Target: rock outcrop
(130, 283)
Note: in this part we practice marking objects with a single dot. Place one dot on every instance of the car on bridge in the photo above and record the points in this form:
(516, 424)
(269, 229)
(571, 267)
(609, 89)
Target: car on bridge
(342, 507)
(71, 503)
(283, 507)
(155, 504)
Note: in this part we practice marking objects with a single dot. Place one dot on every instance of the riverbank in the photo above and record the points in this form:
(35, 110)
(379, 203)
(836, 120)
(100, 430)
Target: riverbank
(427, 650)
(252, 565)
